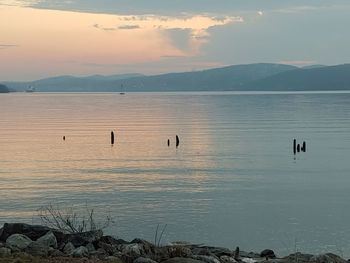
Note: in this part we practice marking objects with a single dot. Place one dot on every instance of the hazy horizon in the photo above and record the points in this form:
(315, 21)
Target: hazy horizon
(41, 39)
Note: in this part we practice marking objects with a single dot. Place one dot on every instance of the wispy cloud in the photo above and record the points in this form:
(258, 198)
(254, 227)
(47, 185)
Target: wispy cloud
(20, 2)
(298, 62)
(128, 27)
(5, 46)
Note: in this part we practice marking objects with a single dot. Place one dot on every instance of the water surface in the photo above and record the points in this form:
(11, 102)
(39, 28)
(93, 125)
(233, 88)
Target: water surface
(233, 181)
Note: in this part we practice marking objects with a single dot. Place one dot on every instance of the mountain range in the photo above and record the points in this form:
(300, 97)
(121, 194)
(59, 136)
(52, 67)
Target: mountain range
(250, 77)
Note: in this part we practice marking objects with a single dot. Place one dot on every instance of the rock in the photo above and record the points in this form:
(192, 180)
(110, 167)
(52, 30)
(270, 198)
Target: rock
(81, 239)
(113, 259)
(5, 252)
(144, 260)
(227, 259)
(31, 231)
(328, 258)
(49, 240)
(182, 260)
(68, 248)
(80, 252)
(179, 251)
(299, 257)
(207, 259)
(267, 253)
(112, 241)
(110, 249)
(209, 251)
(133, 250)
(55, 253)
(37, 249)
(100, 253)
(18, 242)
(248, 260)
(90, 247)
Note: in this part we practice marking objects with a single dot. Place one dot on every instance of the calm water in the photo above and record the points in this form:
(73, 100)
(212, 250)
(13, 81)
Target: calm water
(232, 182)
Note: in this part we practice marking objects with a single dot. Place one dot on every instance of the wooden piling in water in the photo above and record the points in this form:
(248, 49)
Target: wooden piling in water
(303, 148)
(298, 148)
(112, 137)
(64, 138)
(168, 142)
(295, 146)
(177, 141)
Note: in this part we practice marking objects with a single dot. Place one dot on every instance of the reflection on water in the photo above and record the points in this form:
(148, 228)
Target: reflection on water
(232, 181)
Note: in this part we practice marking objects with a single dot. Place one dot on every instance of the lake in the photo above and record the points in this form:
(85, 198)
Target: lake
(233, 180)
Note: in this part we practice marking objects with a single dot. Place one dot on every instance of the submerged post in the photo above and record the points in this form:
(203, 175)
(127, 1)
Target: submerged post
(236, 255)
(298, 148)
(295, 146)
(177, 141)
(64, 138)
(168, 142)
(112, 137)
(303, 148)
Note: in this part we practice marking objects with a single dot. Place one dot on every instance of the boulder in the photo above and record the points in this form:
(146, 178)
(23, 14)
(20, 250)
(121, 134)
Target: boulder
(267, 253)
(113, 259)
(5, 252)
(207, 259)
(68, 248)
(80, 239)
(31, 231)
(328, 258)
(55, 253)
(182, 260)
(179, 251)
(18, 242)
(110, 249)
(209, 251)
(80, 252)
(299, 257)
(133, 250)
(90, 247)
(49, 240)
(37, 249)
(227, 259)
(144, 260)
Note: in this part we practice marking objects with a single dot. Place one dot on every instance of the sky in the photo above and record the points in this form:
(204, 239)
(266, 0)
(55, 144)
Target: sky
(43, 38)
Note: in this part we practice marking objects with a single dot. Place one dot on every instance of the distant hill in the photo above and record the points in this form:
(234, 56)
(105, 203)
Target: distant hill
(259, 77)
(226, 78)
(4, 89)
(319, 78)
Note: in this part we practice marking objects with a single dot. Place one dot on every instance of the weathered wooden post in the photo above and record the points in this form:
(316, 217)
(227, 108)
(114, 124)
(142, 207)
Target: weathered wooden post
(168, 142)
(236, 255)
(177, 141)
(64, 138)
(303, 148)
(112, 137)
(295, 146)
(298, 148)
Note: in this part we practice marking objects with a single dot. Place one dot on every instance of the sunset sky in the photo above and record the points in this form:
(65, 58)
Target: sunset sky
(42, 38)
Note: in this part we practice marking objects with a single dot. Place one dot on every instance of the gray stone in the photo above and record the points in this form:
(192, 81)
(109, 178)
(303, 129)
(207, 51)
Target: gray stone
(48, 240)
(299, 257)
(5, 252)
(144, 260)
(209, 251)
(207, 259)
(267, 253)
(133, 250)
(182, 260)
(68, 248)
(80, 252)
(31, 231)
(328, 258)
(179, 251)
(18, 242)
(55, 253)
(37, 249)
(113, 259)
(90, 247)
(227, 259)
(82, 239)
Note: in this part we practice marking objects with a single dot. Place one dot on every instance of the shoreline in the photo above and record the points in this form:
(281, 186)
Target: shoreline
(21, 242)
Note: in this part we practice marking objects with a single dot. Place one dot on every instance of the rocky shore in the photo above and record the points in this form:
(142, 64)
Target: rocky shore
(34, 243)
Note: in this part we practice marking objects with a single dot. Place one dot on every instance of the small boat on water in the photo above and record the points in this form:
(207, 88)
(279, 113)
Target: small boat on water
(122, 90)
(30, 89)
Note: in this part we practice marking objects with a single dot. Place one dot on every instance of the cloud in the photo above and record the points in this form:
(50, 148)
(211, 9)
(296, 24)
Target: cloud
(128, 27)
(20, 2)
(104, 28)
(5, 46)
